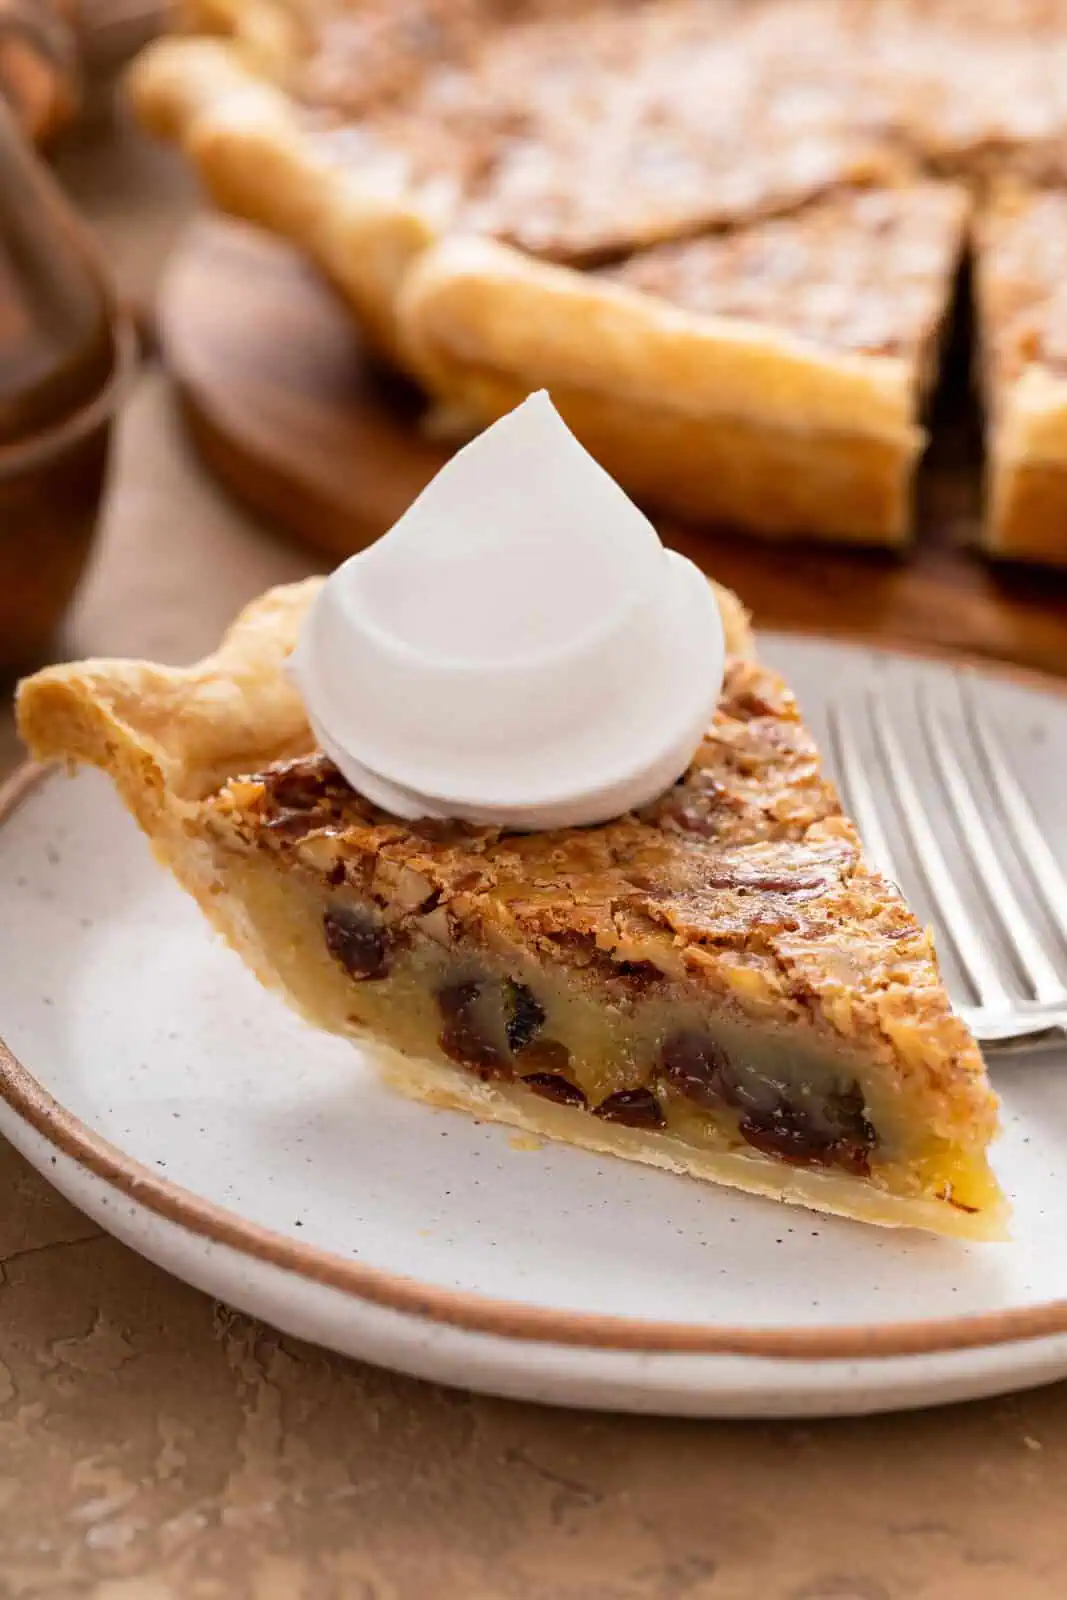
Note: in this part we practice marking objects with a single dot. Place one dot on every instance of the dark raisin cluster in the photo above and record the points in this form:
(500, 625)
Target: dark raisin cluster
(834, 1131)
(358, 940)
(495, 1028)
(475, 1036)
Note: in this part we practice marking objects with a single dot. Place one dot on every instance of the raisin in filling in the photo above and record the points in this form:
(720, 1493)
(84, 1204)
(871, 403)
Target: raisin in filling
(356, 939)
(492, 1028)
(635, 1108)
(697, 1067)
(831, 1130)
(465, 1037)
(553, 1086)
(527, 1016)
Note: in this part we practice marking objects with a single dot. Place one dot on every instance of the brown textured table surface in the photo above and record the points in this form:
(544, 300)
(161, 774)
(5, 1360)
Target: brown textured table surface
(154, 1446)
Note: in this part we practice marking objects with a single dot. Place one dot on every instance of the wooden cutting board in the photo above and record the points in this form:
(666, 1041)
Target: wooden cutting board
(287, 408)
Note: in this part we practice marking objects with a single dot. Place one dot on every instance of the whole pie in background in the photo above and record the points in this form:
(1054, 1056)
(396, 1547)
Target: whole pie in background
(725, 234)
(717, 984)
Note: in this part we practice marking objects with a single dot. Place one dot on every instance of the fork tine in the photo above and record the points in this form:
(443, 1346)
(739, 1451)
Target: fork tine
(1026, 943)
(971, 949)
(859, 795)
(1030, 842)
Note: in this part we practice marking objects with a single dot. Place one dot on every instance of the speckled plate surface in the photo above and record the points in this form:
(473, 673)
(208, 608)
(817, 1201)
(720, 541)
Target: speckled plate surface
(149, 1077)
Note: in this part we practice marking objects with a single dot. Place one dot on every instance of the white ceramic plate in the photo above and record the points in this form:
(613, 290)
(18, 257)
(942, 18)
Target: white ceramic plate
(150, 1079)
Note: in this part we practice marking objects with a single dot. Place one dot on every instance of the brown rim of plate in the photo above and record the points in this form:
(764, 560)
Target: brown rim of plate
(506, 1319)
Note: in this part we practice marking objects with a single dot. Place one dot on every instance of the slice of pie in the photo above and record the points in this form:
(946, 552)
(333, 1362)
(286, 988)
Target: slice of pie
(1021, 279)
(719, 986)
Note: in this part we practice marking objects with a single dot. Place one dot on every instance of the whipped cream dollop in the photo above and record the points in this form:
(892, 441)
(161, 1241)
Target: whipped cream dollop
(519, 649)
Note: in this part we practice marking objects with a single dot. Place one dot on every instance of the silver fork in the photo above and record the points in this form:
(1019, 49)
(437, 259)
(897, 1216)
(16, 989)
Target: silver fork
(990, 820)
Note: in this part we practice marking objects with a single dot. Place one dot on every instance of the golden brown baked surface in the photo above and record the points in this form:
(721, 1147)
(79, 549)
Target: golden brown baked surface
(728, 139)
(719, 984)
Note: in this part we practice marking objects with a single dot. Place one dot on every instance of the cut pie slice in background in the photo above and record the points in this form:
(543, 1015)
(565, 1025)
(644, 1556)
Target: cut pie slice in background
(773, 374)
(719, 985)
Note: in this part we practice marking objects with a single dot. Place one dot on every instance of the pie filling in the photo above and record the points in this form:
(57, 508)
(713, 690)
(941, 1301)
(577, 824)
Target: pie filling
(632, 1048)
(654, 1068)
